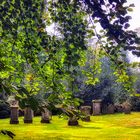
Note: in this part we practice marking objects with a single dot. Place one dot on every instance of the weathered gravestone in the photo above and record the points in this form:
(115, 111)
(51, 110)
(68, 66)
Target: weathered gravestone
(28, 115)
(73, 119)
(127, 107)
(86, 112)
(14, 112)
(72, 113)
(110, 109)
(46, 115)
(104, 109)
(96, 107)
(118, 108)
(14, 115)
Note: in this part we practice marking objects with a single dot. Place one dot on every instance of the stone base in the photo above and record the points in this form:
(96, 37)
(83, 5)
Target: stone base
(86, 119)
(28, 121)
(73, 123)
(14, 122)
(45, 121)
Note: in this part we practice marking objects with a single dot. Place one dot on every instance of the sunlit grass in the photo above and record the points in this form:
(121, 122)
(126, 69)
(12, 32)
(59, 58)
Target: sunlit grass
(105, 127)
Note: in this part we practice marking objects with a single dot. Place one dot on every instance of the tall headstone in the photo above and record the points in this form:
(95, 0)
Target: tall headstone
(96, 107)
(86, 112)
(14, 115)
(28, 115)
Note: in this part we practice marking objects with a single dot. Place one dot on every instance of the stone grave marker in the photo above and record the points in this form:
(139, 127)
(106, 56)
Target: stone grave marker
(96, 107)
(28, 115)
(86, 112)
(46, 116)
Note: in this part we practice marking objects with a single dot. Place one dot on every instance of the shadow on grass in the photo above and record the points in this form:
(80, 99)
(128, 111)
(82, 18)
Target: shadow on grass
(58, 136)
(89, 127)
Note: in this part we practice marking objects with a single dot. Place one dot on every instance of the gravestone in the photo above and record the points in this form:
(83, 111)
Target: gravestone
(127, 107)
(46, 116)
(118, 108)
(104, 109)
(14, 115)
(73, 120)
(96, 107)
(86, 112)
(110, 109)
(28, 115)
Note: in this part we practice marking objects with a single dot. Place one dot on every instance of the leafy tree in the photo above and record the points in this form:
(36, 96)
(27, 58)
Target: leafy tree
(113, 17)
(55, 61)
(24, 24)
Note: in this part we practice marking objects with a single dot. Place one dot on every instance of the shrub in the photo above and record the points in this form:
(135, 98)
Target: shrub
(4, 110)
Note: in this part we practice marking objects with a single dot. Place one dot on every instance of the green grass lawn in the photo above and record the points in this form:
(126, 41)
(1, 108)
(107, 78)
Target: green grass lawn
(105, 127)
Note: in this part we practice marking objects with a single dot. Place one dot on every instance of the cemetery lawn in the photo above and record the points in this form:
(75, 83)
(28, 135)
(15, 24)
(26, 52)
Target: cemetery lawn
(105, 127)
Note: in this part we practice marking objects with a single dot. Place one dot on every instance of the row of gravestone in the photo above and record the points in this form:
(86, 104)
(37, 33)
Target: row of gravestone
(97, 109)
(117, 108)
(28, 115)
(46, 115)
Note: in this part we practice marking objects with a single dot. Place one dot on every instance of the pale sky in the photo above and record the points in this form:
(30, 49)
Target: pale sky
(135, 21)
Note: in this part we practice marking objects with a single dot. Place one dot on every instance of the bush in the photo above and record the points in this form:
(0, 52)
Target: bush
(4, 110)
(135, 102)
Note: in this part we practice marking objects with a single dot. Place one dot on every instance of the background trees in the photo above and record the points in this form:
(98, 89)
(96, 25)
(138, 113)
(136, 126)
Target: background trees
(32, 61)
